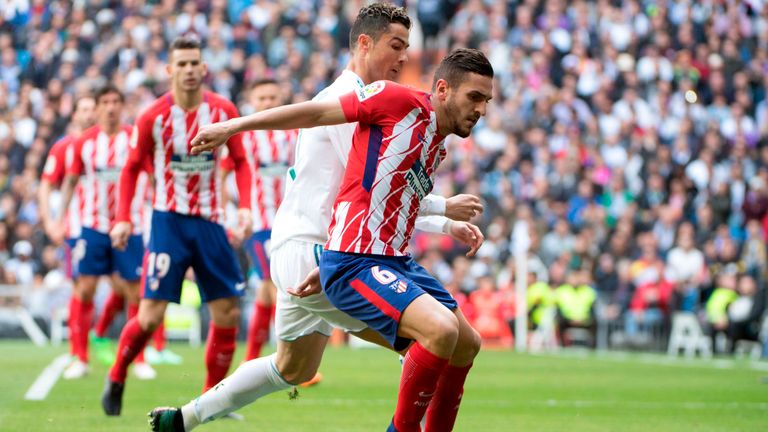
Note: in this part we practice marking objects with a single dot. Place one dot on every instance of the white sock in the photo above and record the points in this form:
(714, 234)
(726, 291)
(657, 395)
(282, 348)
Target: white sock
(250, 381)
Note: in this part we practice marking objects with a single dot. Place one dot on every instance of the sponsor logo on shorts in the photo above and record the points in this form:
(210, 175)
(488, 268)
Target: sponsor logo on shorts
(240, 286)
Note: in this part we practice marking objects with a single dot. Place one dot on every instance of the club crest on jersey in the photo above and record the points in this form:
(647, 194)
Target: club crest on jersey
(399, 287)
(370, 90)
(418, 179)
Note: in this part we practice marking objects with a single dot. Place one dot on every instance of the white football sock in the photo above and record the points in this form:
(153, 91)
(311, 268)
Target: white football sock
(250, 381)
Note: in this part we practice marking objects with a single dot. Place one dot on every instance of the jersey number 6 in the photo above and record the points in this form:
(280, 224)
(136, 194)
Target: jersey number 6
(384, 277)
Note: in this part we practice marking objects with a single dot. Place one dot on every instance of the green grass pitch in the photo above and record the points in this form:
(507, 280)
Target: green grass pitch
(505, 392)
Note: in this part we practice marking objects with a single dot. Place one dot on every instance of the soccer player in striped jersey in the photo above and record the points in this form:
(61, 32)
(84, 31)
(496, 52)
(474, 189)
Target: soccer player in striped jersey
(269, 154)
(186, 229)
(93, 162)
(52, 178)
(365, 270)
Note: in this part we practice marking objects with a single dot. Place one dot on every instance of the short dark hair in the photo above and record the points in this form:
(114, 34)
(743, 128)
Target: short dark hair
(461, 62)
(81, 98)
(185, 42)
(374, 20)
(264, 81)
(107, 89)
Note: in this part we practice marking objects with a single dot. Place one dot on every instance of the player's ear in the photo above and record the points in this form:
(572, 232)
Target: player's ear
(441, 89)
(364, 43)
(205, 69)
(168, 69)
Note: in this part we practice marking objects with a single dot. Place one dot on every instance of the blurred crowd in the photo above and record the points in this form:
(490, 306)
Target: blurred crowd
(627, 139)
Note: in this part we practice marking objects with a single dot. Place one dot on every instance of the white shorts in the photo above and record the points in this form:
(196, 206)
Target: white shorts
(291, 262)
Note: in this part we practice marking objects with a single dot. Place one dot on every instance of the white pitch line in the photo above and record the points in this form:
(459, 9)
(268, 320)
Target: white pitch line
(44, 383)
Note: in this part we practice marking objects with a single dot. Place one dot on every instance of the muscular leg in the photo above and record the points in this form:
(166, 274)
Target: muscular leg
(295, 362)
(436, 331)
(442, 411)
(222, 334)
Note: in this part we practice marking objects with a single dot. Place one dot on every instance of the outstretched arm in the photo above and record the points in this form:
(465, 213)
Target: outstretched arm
(295, 116)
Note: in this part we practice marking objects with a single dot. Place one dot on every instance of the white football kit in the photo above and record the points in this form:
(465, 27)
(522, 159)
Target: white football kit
(301, 224)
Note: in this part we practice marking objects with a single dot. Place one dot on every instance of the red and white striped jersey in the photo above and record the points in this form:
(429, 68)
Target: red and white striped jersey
(269, 154)
(97, 159)
(395, 152)
(184, 183)
(54, 172)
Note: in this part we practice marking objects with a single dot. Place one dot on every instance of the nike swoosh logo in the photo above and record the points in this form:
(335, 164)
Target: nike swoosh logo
(426, 395)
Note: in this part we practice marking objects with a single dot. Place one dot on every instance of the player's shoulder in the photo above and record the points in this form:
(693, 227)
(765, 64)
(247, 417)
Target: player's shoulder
(61, 144)
(90, 133)
(218, 101)
(158, 107)
(391, 90)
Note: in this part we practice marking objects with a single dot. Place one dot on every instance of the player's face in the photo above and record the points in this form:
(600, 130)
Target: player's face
(187, 69)
(467, 103)
(387, 56)
(265, 96)
(84, 114)
(109, 109)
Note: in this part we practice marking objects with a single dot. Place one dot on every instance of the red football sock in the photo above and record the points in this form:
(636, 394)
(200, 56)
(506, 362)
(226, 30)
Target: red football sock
(132, 342)
(159, 337)
(74, 310)
(421, 372)
(81, 314)
(441, 415)
(258, 330)
(218, 354)
(86, 320)
(133, 310)
(115, 303)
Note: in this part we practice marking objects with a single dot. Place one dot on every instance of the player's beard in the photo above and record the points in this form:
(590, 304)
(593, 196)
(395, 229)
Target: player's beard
(457, 118)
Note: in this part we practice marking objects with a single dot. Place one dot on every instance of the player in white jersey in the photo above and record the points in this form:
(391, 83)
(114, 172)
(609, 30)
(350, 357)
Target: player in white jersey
(304, 321)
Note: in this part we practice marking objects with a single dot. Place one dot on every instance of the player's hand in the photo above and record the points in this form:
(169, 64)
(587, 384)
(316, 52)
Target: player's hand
(309, 286)
(211, 136)
(463, 207)
(120, 234)
(468, 234)
(244, 225)
(54, 229)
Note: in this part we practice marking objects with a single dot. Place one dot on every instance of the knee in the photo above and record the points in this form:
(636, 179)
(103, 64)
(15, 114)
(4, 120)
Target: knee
(227, 316)
(444, 328)
(469, 346)
(149, 320)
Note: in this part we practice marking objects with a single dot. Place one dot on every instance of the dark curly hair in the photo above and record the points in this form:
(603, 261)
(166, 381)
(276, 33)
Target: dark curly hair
(374, 20)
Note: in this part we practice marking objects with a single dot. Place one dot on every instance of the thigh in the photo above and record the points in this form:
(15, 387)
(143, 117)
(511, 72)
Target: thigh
(166, 259)
(257, 248)
(374, 290)
(97, 253)
(128, 262)
(216, 267)
(298, 317)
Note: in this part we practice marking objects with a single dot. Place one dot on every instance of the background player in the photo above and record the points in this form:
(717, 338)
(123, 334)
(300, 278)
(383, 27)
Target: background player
(52, 178)
(269, 154)
(94, 161)
(186, 228)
